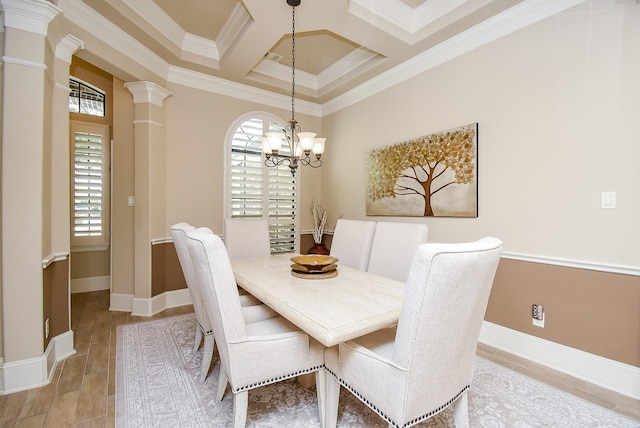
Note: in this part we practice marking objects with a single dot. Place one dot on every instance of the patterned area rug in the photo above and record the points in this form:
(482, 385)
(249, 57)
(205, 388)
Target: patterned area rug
(157, 386)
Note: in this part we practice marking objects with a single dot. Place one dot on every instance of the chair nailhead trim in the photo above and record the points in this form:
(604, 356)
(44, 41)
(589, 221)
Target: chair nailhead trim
(385, 417)
(276, 379)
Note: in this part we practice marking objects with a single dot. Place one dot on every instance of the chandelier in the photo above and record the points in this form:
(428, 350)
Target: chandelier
(301, 144)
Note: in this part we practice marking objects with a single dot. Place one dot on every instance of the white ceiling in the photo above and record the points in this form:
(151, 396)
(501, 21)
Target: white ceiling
(340, 44)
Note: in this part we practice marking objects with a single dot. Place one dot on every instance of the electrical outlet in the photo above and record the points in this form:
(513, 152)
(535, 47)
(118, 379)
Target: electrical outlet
(537, 313)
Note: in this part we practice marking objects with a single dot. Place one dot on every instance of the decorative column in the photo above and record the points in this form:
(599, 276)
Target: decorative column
(150, 185)
(60, 152)
(26, 99)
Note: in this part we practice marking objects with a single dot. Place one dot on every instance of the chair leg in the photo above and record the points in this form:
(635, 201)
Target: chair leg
(207, 356)
(198, 338)
(240, 404)
(461, 411)
(332, 396)
(222, 384)
(321, 393)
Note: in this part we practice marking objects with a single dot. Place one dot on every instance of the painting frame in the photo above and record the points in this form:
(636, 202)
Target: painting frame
(434, 175)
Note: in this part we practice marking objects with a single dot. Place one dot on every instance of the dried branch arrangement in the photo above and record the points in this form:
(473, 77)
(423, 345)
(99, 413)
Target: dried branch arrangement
(320, 216)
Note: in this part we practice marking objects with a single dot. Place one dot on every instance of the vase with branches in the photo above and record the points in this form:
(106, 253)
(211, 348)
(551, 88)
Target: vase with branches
(320, 216)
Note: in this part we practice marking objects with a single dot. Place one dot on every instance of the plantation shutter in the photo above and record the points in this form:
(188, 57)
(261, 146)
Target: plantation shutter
(88, 184)
(257, 191)
(246, 184)
(282, 209)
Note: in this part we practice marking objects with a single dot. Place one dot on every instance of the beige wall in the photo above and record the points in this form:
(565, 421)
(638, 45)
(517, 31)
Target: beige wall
(123, 182)
(557, 107)
(197, 125)
(584, 309)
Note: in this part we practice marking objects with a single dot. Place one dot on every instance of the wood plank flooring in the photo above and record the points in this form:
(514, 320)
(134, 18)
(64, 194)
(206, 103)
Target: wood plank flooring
(82, 391)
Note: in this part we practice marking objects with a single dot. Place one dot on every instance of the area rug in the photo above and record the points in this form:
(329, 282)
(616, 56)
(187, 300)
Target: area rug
(157, 386)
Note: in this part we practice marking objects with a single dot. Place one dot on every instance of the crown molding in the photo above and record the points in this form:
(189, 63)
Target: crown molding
(205, 82)
(235, 25)
(187, 44)
(88, 19)
(153, 14)
(343, 66)
(205, 50)
(512, 19)
(399, 19)
(525, 13)
(430, 11)
(350, 62)
(283, 72)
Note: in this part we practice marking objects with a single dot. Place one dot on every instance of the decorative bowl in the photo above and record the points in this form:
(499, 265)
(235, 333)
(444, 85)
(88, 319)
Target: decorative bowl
(314, 262)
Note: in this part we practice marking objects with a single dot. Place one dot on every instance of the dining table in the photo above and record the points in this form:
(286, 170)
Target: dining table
(333, 309)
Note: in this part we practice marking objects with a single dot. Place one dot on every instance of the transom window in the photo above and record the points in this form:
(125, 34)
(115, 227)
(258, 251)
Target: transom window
(85, 98)
(255, 191)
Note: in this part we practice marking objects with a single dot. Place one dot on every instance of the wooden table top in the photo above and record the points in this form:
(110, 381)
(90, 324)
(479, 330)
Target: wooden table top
(331, 310)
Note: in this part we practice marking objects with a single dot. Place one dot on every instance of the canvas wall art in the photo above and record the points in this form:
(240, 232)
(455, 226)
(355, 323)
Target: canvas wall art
(435, 175)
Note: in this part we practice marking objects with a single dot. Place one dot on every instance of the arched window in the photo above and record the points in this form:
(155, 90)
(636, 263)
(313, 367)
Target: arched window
(256, 191)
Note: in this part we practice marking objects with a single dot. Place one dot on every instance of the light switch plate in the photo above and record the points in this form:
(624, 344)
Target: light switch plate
(608, 200)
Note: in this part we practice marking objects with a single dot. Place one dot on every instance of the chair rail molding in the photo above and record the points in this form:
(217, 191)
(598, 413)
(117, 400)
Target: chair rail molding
(625, 270)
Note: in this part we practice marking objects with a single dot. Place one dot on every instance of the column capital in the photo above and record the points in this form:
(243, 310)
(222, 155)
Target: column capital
(147, 92)
(67, 47)
(33, 16)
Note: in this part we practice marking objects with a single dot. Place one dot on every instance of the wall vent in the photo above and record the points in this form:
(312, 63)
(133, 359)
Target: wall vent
(273, 56)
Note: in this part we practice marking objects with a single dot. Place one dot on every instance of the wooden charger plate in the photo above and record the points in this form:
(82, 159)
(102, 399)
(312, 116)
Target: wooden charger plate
(311, 275)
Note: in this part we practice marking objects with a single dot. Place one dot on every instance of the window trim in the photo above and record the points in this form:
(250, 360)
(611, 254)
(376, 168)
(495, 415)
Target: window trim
(91, 243)
(228, 141)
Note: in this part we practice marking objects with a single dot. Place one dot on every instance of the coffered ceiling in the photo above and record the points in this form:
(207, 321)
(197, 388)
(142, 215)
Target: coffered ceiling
(339, 44)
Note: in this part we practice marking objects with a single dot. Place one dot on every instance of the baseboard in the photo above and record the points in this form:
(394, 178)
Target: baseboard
(31, 373)
(153, 305)
(604, 372)
(96, 283)
(121, 302)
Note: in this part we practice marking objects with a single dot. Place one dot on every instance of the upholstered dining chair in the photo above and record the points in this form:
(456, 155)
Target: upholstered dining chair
(246, 237)
(409, 373)
(251, 354)
(394, 245)
(251, 308)
(351, 242)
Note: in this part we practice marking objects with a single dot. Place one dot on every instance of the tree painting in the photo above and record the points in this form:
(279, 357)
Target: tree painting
(432, 175)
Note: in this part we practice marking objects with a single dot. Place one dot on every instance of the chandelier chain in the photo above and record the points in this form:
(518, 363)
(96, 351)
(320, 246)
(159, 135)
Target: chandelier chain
(293, 61)
(305, 150)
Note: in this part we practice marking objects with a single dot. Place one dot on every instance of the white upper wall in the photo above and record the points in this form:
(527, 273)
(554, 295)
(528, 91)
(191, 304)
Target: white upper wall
(557, 107)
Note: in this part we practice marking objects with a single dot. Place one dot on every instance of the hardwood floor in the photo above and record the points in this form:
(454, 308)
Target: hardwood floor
(82, 391)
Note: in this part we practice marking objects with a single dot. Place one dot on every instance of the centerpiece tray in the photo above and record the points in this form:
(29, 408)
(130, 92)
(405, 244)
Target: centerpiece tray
(314, 266)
